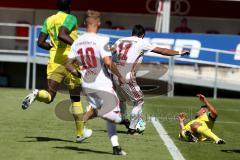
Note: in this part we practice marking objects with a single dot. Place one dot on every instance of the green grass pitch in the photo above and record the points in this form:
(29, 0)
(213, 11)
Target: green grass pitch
(37, 133)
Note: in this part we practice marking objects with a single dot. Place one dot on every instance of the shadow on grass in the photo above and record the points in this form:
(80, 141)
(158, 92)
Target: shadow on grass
(102, 130)
(231, 150)
(45, 139)
(82, 150)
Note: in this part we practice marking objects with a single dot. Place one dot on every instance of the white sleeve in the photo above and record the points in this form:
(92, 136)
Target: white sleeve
(73, 53)
(146, 46)
(105, 48)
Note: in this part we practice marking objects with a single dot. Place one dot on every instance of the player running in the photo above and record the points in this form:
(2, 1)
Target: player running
(129, 52)
(91, 52)
(62, 29)
(200, 129)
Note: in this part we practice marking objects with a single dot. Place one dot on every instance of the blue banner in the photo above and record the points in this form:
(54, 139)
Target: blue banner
(179, 41)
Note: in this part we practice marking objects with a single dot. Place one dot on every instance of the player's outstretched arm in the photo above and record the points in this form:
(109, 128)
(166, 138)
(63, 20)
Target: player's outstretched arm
(113, 68)
(169, 52)
(69, 65)
(211, 108)
(64, 35)
(181, 119)
(42, 41)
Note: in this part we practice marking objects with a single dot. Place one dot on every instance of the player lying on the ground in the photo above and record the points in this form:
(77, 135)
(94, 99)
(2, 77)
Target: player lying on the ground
(128, 53)
(200, 129)
(62, 29)
(91, 53)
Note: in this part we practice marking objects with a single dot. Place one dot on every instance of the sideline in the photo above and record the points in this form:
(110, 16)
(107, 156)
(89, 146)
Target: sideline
(172, 148)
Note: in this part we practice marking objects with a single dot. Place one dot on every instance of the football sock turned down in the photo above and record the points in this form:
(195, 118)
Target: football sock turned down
(44, 96)
(112, 133)
(207, 133)
(77, 111)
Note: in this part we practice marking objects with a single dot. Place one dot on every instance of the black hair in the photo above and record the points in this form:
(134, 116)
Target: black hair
(64, 5)
(138, 30)
(204, 106)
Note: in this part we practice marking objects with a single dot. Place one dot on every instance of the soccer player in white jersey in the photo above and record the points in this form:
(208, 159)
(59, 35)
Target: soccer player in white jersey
(91, 52)
(129, 52)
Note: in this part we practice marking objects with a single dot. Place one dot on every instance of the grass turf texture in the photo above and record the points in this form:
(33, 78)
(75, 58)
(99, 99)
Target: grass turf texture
(38, 134)
(226, 126)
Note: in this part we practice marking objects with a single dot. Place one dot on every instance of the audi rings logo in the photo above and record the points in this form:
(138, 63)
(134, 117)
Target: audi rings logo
(178, 7)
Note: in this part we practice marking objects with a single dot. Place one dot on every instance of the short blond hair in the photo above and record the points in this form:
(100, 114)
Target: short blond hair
(92, 17)
(92, 13)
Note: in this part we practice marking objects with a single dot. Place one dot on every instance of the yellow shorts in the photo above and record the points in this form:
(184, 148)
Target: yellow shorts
(187, 127)
(58, 73)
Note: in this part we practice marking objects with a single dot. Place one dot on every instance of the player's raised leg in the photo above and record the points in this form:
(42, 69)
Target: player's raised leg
(205, 131)
(105, 104)
(45, 96)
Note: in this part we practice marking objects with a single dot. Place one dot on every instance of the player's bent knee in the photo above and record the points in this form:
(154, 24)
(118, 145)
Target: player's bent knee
(113, 117)
(51, 100)
(118, 119)
(195, 126)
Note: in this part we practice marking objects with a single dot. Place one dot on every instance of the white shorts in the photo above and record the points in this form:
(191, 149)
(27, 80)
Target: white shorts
(105, 102)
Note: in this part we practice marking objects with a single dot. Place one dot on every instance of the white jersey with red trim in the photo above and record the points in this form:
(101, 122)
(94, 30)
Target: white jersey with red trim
(90, 49)
(129, 53)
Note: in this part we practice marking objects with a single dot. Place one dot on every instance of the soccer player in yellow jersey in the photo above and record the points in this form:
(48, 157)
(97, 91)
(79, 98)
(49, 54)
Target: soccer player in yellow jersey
(62, 29)
(200, 129)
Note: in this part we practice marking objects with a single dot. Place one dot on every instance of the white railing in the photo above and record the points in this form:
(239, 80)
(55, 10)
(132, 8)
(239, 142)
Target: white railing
(216, 64)
(26, 53)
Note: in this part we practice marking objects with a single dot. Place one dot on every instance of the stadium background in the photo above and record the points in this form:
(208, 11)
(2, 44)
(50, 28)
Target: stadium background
(17, 40)
(39, 133)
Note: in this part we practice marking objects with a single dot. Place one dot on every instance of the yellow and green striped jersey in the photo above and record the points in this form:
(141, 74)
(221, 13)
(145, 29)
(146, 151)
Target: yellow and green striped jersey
(206, 117)
(52, 24)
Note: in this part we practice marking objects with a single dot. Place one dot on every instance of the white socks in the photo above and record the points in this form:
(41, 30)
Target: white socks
(135, 116)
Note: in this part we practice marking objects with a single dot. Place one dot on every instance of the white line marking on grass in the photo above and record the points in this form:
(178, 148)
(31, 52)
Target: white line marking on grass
(172, 148)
